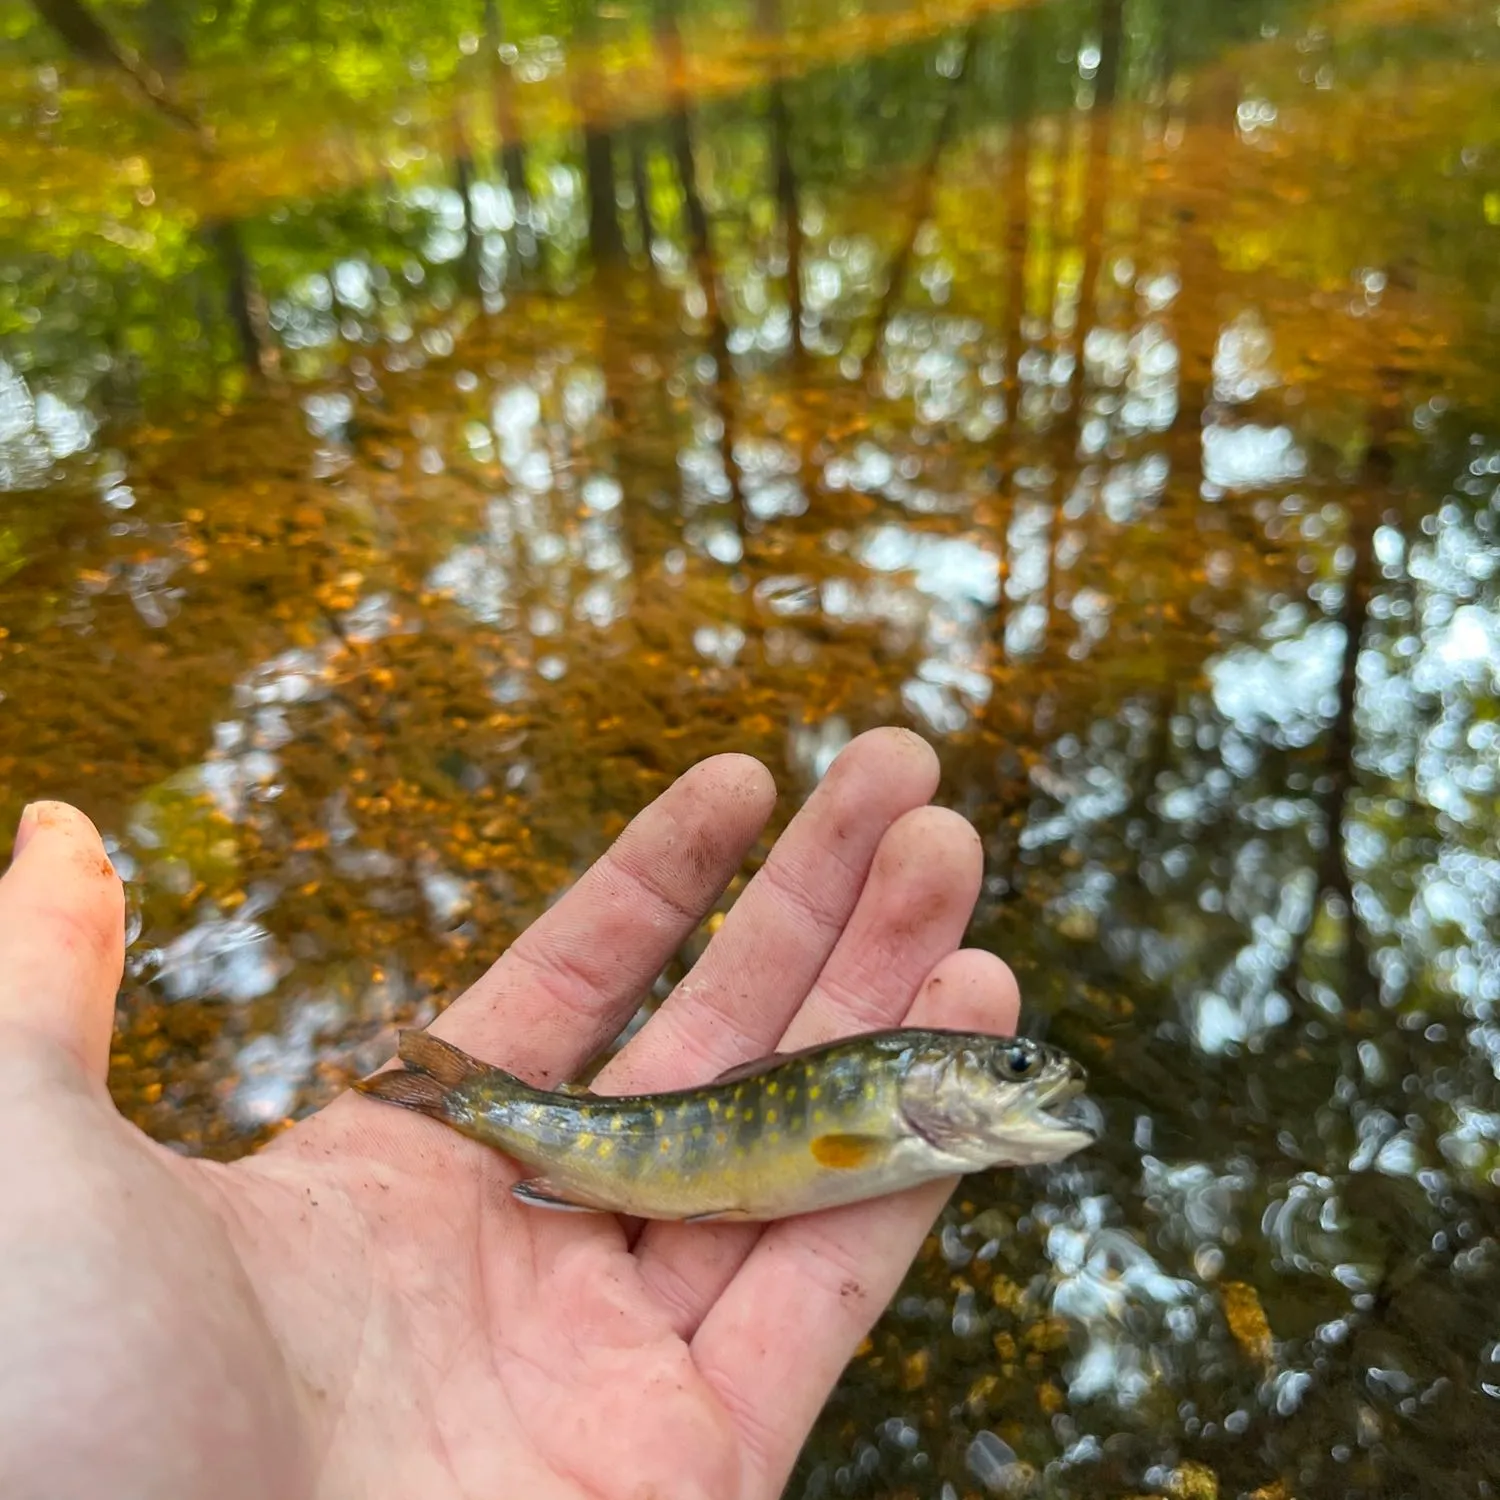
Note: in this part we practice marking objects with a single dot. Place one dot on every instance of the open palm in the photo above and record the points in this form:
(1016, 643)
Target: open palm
(362, 1309)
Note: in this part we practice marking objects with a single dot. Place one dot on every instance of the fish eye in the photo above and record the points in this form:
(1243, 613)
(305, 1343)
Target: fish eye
(1017, 1060)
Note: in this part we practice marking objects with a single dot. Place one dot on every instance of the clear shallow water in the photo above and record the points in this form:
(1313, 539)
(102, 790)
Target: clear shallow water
(420, 440)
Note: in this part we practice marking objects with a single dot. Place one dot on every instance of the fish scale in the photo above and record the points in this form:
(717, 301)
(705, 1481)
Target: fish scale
(785, 1134)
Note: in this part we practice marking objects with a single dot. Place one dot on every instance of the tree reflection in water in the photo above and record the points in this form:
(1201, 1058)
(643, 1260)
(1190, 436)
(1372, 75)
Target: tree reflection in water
(420, 439)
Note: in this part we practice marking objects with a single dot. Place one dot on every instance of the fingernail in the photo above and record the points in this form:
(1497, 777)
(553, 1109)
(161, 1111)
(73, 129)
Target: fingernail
(24, 830)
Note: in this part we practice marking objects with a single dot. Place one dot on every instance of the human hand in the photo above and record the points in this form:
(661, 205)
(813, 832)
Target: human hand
(362, 1308)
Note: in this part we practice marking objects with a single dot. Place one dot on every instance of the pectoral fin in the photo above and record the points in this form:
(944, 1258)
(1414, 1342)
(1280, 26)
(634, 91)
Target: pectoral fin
(540, 1193)
(845, 1153)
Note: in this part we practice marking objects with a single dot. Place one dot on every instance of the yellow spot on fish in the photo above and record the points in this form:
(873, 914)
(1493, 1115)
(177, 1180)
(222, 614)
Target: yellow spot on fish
(775, 1136)
(605, 1147)
(617, 1122)
(814, 1092)
(697, 1131)
(661, 1116)
(664, 1144)
(817, 1117)
(770, 1117)
(713, 1106)
(771, 1089)
(739, 1089)
(585, 1141)
(719, 1137)
(728, 1114)
(791, 1096)
(869, 1091)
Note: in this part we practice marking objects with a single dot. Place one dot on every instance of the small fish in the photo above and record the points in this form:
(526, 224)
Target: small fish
(786, 1134)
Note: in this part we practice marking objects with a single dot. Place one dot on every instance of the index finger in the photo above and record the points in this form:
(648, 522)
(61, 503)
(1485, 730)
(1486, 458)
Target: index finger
(567, 985)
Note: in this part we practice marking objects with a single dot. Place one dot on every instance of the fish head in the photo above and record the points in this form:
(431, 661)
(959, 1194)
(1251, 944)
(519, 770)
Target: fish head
(988, 1101)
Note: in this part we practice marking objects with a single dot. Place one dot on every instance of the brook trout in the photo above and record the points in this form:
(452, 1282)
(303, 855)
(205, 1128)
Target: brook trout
(789, 1133)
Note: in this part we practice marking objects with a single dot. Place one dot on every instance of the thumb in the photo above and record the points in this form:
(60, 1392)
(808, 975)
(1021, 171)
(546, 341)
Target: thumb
(62, 935)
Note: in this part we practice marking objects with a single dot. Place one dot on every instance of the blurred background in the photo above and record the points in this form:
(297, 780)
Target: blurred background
(427, 429)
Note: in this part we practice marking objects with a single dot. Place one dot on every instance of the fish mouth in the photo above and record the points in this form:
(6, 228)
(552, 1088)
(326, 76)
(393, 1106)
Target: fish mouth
(1030, 1124)
(1068, 1108)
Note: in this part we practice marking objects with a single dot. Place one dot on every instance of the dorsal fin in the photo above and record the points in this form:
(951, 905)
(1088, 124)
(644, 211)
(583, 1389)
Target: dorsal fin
(758, 1065)
(882, 1040)
(752, 1069)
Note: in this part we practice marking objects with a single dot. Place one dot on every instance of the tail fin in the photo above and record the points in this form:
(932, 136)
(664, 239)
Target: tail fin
(410, 1090)
(434, 1070)
(429, 1054)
